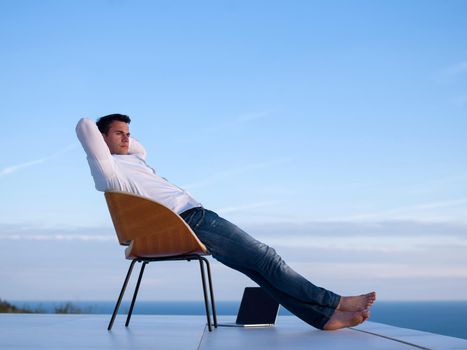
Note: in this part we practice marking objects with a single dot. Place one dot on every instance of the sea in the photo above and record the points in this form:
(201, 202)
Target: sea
(441, 317)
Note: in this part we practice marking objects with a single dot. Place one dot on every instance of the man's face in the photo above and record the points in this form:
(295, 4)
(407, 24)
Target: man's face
(118, 138)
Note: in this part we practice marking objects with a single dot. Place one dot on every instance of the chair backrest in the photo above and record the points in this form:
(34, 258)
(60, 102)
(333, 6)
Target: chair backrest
(150, 228)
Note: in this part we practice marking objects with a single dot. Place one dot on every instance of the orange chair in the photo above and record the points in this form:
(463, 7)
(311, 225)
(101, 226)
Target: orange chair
(152, 232)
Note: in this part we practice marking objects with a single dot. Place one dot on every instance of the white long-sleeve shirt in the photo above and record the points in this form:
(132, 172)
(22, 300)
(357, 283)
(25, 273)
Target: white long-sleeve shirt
(128, 173)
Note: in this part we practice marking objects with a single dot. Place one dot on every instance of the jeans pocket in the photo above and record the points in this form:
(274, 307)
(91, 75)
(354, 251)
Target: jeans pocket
(202, 213)
(189, 218)
(194, 218)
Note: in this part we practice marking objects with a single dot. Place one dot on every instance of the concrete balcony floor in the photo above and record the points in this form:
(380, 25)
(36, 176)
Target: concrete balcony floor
(72, 332)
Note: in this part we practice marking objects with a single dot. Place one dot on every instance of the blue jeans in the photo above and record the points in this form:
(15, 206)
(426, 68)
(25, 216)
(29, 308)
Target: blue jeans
(236, 249)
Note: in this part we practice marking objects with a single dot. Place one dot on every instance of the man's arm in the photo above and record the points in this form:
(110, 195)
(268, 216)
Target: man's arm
(136, 148)
(91, 139)
(100, 160)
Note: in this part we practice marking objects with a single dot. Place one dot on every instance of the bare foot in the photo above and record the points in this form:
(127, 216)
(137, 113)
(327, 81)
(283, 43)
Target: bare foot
(357, 303)
(343, 319)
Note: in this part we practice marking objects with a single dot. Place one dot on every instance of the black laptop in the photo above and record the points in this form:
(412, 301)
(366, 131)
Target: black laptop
(257, 309)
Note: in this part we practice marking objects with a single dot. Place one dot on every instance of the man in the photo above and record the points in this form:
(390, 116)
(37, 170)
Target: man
(117, 163)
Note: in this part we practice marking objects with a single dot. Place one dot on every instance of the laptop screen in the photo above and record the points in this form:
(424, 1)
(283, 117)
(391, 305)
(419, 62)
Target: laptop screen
(257, 308)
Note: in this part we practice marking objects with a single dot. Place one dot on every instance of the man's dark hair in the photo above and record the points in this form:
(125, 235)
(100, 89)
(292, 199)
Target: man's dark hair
(103, 124)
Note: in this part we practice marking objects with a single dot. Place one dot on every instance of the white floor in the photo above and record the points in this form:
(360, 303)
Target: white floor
(70, 332)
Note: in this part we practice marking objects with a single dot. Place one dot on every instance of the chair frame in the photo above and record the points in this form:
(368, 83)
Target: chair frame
(203, 264)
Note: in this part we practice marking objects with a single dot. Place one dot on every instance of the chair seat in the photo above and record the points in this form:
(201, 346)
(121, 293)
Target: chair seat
(150, 248)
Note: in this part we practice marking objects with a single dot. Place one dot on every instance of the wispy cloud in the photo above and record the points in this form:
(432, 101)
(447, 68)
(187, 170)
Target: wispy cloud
(386, 271)
(455, 73)
(456, 70)
(460, 101)
(244, 207)
(58, 237)
(219, 176)
(376, 243)
(237, 121)
(338, 230)
(243, 118)
(442, 204)
(36, 232)
(417, 211)
(452, 72)
(436, 184)
(14, 168)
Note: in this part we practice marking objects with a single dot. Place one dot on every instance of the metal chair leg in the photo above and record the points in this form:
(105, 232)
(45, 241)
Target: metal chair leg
(206, 304)
(135, 294)
(125, 283)
(211, 292)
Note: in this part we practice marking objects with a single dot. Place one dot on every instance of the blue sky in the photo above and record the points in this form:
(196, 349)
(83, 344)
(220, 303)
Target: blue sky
(333, 130)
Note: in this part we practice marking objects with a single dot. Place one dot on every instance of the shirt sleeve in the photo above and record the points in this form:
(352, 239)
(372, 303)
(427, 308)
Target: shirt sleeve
(98, 154)
(136, 148)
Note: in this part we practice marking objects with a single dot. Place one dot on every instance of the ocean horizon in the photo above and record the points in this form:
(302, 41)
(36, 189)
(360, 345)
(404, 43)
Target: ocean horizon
(441, 317)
